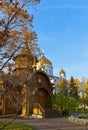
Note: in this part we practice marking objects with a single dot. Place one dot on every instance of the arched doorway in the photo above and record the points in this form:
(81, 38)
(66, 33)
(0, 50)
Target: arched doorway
(42, 97)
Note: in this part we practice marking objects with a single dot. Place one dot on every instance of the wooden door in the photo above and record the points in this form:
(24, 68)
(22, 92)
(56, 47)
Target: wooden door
(43, 98)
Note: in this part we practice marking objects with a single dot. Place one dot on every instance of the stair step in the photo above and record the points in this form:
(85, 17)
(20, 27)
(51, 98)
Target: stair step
(37, 116)
(50, 113)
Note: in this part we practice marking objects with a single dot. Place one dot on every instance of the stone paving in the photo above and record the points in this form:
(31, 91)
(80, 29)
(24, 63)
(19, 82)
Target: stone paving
(51, 124)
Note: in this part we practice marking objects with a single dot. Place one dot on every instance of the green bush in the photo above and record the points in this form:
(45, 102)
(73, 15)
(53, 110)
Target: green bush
(66, 104)
(82, 110)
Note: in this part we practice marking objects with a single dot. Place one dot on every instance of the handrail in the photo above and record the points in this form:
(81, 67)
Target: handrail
(54, 106)
(39, 107)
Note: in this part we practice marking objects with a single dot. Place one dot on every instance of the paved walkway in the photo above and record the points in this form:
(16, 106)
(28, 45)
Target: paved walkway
(51, 124)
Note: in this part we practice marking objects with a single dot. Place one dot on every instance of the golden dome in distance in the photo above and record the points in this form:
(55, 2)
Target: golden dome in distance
(42, 66)
(62, 72)
(44, 60)
(34, 66)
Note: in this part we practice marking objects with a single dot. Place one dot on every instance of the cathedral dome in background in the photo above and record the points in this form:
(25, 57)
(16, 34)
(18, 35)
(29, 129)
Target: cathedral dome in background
(45, 65)
(44, 60)
(62, 72)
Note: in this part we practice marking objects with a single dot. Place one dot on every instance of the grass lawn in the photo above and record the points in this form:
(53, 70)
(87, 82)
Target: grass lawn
(15, 126)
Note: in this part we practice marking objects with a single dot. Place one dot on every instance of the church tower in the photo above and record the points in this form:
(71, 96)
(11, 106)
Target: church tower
(45, 65)
(62, 74)
(24, 62)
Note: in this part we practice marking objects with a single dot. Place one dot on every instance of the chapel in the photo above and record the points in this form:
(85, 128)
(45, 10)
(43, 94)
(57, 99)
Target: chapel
(28, 88)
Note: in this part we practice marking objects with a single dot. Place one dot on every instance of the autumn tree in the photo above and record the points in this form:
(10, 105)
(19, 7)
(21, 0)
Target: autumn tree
(83, 100)
(16, 28)
(73, 88)
(62, 86)
(86, 89)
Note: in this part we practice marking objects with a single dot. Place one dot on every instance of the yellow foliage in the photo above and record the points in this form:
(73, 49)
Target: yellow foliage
(76, 81)
(86, 88)
(15, 24)
(4, 4)
(29, 36)
(24, 14)
(86, 84)
(24, 29)
(61, 83)
(14, 32)
(12, 46)
(11, 9)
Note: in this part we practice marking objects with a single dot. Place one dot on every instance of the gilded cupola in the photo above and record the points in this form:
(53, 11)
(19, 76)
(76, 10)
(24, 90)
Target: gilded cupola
(62, 73)
(44, 61)
(45, 65)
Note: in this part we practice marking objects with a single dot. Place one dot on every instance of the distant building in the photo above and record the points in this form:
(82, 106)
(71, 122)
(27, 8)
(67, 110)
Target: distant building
(46, 65)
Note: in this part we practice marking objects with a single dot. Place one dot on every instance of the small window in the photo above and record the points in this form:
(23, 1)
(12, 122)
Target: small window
(39, 80)
(55, 80)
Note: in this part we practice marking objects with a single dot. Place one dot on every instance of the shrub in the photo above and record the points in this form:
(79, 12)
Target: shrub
(66, 104)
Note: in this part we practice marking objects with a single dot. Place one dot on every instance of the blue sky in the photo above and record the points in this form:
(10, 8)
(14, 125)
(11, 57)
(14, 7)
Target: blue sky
(62, 28)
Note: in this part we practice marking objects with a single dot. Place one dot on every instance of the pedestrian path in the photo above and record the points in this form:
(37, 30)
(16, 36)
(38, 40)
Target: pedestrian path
(51, 124)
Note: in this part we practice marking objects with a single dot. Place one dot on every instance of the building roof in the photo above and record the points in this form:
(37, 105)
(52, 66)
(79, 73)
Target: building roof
(25, 52)
(44, 60)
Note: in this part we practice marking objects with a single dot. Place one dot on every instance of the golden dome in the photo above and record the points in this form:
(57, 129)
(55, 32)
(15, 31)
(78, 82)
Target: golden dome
(33, 66)
(44, 60)
(42, 66)
(62, 72)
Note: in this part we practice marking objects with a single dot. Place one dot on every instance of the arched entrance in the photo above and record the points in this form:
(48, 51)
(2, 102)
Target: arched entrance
(42, 97)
